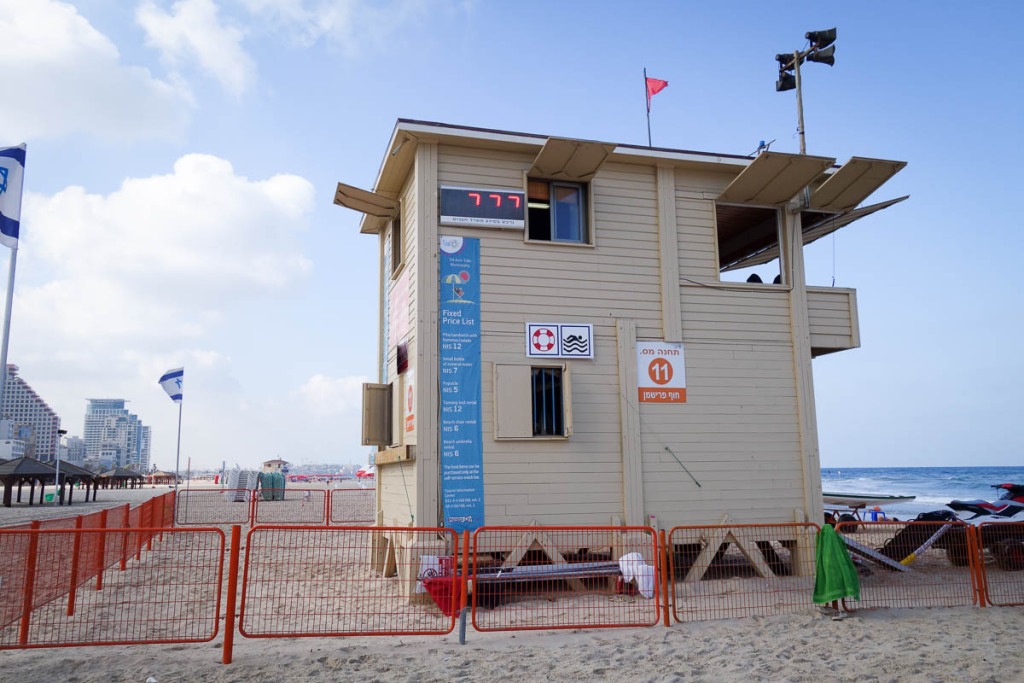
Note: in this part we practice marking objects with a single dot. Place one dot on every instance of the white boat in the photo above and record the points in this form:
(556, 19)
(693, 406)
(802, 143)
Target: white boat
(860, 500)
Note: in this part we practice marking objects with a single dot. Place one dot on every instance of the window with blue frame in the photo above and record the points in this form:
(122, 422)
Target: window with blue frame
(548, 404)
(556, 211)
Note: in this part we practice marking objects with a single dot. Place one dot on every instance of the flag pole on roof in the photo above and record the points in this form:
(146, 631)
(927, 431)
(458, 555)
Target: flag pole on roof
(172, 382)
(12, 175)
(652, 86)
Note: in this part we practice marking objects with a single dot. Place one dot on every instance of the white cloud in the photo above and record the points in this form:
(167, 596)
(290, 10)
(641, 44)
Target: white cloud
(162, 258)
(193, 32)
(61, 76)
(331, 396)
(352, 25)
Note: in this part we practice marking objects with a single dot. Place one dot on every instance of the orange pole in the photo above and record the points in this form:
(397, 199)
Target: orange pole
(76, 551)
(30, 582)
(465, 568)
(101, 550)
(152, 523)
(977, 563)
(124, 535)
(664, 574)
(229, 616)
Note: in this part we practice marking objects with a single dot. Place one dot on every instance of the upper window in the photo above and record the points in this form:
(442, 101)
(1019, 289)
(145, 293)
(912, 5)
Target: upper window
(557, 211)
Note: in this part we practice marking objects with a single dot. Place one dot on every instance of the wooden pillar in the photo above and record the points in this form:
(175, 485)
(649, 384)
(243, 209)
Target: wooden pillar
(8, 490)
(668, 251)
(32, 492)
(629, 416)
(21, 483)
(810, 463)
(428, 471)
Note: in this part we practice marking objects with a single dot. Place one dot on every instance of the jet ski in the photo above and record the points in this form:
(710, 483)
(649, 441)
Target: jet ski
(1000, 524)
(1009, 507)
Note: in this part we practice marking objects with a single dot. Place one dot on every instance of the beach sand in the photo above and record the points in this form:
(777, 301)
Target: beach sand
(958, 644)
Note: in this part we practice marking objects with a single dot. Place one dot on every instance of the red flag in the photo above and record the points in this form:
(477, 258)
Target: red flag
(654, 86)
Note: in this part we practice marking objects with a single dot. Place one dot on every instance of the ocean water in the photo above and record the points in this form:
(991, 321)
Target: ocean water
(933, 486)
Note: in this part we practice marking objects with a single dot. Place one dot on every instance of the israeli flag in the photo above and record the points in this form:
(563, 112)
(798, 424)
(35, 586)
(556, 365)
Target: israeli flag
(12, 171)
(171, 382)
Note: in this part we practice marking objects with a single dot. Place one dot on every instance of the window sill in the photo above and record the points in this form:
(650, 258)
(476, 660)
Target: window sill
(532, 438)
(561, 244)
(398, 271)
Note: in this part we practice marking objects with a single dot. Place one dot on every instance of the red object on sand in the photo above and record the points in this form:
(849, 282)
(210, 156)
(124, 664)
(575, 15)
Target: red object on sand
(441, 590)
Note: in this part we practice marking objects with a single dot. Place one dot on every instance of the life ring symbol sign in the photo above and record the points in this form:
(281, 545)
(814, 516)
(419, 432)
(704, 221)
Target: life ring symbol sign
(544, 339)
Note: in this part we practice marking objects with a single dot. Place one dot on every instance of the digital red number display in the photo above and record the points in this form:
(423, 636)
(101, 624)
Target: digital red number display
(483, 207)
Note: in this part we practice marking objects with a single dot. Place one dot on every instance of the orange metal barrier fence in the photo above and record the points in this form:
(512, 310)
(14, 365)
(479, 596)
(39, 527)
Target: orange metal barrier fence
(290, 506)
(1000, 551)
(336, 581)
(742, 570)
(913, 564)
(353, 506)
(170, 594)
(526, 578)
(204, 507)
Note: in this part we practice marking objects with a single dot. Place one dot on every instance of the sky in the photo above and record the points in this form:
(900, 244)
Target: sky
(182, 160)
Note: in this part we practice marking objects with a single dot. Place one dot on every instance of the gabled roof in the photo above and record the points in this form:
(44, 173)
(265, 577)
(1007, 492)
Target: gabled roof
(26, 467)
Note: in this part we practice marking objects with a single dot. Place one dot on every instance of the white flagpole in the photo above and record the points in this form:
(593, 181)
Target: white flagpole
(7, 320)
(177, 463)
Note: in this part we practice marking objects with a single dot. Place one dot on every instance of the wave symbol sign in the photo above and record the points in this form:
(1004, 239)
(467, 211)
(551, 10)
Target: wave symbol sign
(575, 343)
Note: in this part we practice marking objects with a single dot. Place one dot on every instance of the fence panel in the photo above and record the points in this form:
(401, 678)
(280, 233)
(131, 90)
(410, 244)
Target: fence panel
(204, 507)
(911, 564)
(340, 581)
(353, 506)
(1002, 565)
(527, 578)
(742, 570)
(171, 595)
(291, 506)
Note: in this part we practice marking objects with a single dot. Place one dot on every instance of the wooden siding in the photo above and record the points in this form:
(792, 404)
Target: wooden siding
(832, 313)
(738, 434)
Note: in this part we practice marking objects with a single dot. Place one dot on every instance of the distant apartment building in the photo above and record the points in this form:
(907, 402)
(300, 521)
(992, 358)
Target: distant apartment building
(10, 447)
(74, 449)
(35, 422)
(115, 437)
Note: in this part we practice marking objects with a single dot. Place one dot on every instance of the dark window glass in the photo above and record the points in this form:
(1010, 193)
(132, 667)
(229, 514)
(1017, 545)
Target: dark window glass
(548, 418)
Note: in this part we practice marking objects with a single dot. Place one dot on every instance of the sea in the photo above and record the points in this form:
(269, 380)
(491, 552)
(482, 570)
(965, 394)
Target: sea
(933, 486)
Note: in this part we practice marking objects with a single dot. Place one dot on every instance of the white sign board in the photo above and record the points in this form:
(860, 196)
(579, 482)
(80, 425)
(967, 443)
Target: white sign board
(660, 372)
(559, 340)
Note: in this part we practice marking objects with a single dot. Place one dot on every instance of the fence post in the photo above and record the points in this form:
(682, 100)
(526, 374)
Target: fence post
(663, 566)
(76, 551)
(465, 569)
(30, 582)
(229, 617)
(101, 550)
(152, 523)
(975, 553)
(127, 524)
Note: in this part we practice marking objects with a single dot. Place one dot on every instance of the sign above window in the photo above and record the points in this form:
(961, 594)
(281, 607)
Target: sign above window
(483, 207)
(559, 340)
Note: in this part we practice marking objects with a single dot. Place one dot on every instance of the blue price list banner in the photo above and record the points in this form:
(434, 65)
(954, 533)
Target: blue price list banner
(462, 456)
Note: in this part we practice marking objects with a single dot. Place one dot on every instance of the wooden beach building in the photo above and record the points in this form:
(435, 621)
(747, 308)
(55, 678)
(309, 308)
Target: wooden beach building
(612, 375)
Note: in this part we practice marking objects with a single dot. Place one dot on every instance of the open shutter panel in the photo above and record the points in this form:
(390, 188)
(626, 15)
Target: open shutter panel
(513, 405)
(376, 414)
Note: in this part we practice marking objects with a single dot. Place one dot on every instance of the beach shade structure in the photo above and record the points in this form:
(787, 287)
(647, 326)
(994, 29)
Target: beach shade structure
(23, 471)
(161, 477)
(368, 472)
(836, 577)
(72, 474)
(121, 478)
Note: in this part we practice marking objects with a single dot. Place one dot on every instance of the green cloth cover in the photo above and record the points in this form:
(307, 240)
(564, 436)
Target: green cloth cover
(836, 576)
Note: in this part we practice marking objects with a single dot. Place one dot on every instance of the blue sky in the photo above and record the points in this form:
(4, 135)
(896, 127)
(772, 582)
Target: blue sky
(182, 160)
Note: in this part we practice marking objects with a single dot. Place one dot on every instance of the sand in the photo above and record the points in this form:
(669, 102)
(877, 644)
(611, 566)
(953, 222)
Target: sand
(878, 645)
